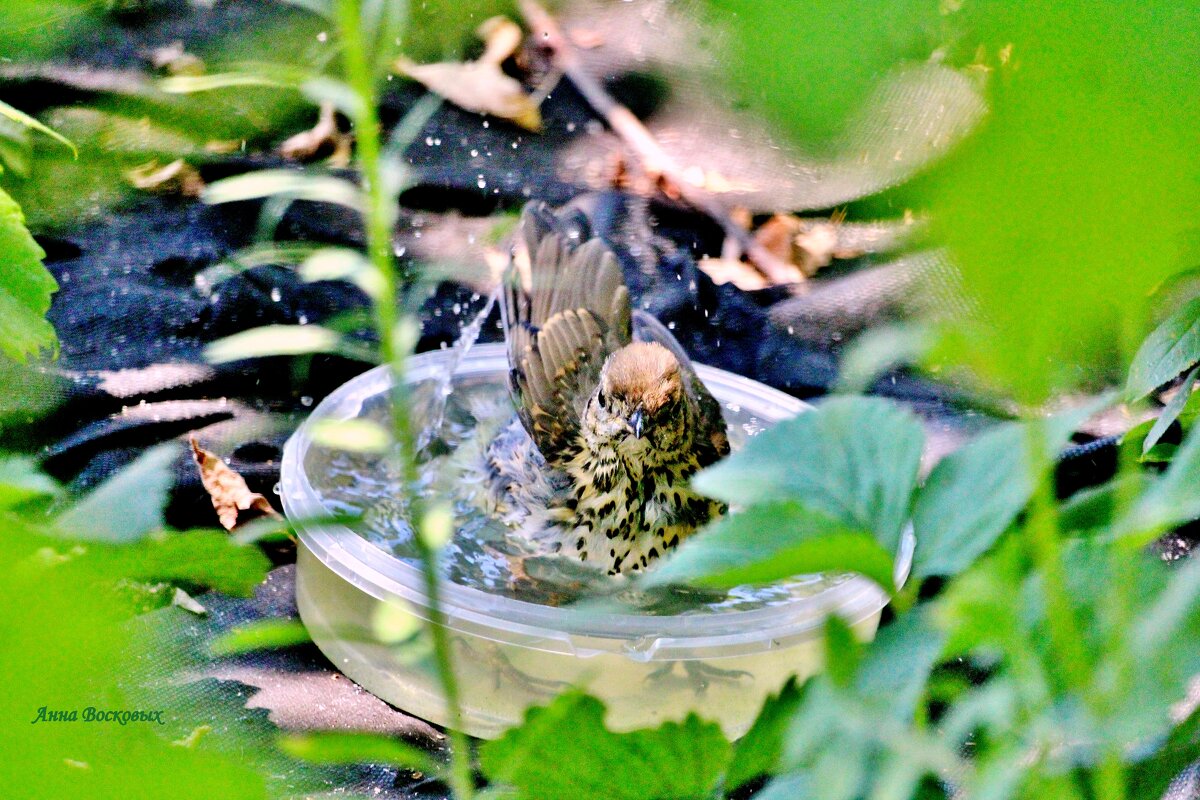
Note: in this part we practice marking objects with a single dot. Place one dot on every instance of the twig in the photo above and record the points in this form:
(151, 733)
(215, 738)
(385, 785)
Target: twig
(654, 159)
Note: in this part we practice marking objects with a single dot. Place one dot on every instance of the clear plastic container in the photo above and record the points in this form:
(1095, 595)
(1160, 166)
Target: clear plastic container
(511, 654)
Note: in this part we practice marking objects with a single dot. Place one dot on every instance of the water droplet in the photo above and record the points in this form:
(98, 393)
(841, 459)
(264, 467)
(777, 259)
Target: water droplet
(474, 153)
(306, 401)
(276, 295)
(481, 183)
(302, 319)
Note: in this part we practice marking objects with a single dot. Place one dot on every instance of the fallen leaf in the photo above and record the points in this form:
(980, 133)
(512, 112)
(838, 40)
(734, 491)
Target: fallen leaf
(187, 602)
(739, 273)
(481, 85)
(178, 177)
(809, 244)
(228, 490)
(325, 135)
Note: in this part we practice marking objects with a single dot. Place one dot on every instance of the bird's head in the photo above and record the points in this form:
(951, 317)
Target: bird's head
(639, 402)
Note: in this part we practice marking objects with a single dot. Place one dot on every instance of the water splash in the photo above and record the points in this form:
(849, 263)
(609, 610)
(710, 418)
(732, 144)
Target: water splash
(436, 412)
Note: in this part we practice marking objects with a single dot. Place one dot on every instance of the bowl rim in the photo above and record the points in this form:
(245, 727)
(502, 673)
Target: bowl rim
(388, 578)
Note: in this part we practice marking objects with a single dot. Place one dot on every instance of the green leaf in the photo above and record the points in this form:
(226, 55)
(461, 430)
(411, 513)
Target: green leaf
(1053, 291)
(204, 558)
(265, 634)
(357, 748)
(854, 459)
(1171, 500)
(789, 786)
(1171, 411)
(21, 481)
(879, 350)
(771, 542)
(758, 752)
(1170, 349)
(187, 84)
(843, 651)
(287, 183)
(1093, 509)
(25, 288)
(975, 493)
(127, 506)
(352, 435)
(896, 665)
(564, 752)
(22, 118)
(1152, 776)
(284, 340)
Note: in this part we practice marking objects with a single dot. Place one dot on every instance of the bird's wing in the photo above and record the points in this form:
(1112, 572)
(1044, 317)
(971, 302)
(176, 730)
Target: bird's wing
(714, 440)
(560, 327)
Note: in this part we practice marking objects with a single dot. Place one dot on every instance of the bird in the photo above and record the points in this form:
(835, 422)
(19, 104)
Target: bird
(611, 418)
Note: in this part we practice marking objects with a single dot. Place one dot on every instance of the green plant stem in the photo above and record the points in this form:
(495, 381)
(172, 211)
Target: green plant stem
(379, 221)
(1071, 665)
(1108, 779)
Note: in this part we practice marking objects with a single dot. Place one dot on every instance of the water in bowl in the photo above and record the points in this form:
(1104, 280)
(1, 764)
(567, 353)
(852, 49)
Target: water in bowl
(484, 553)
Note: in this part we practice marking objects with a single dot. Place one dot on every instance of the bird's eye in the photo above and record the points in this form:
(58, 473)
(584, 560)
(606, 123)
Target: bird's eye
(603, 399)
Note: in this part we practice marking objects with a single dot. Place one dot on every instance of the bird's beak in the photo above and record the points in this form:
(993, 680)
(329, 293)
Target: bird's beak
(637, 421)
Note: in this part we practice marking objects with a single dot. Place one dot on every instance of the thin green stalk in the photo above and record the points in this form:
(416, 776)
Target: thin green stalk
(379, 221)
(1071, 665)
(1108, 779)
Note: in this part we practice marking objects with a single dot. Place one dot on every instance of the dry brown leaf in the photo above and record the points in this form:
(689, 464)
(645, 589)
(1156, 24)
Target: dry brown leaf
(228, 490)
(481, 86)
(808, 244)
(731, 270)
(325, 134)
(178, 177)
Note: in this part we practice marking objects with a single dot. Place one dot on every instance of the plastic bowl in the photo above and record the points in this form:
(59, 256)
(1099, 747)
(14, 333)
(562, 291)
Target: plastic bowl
(511, 654)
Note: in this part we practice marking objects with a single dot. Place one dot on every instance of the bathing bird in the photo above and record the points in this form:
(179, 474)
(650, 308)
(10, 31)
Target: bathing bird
(612, 420)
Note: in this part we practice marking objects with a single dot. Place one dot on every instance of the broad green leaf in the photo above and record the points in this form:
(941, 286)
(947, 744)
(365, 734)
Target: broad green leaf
(757, 753)
(1054, 291)
(127, 506)
(264, 634)
(564, 752)
(284, 340)
(67, 643)
(896, 665)
(771, 542)
(1168, 614)
(788, 786)
(1093, 509)
(341, 747)
(1170, 349)
(859, 43)
(1171, 411)
(879, 350)
(206, 558)
(975, 493)
(1171, 500)
(21, 481)
(1151, 777)
(843, 651)
(25, 288)
(854, 459)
